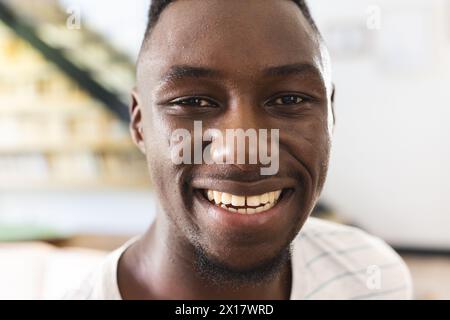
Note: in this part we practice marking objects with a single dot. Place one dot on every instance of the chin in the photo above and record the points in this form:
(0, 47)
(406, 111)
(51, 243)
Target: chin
(239, 267)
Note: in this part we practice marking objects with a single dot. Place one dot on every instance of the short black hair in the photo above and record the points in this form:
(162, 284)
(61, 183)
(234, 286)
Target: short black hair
(158, 6)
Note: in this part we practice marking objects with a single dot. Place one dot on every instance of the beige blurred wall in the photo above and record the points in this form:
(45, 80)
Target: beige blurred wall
(390, 169)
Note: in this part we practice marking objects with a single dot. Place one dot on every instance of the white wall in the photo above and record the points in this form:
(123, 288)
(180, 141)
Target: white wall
(122, 22)
(390, 168)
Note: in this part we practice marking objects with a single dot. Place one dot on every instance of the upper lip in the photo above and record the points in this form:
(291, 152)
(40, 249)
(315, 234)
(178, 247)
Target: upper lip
(244, 188)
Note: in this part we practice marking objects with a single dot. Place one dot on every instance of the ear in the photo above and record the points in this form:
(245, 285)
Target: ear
(332, 104)
(136, 126)
(332, 117)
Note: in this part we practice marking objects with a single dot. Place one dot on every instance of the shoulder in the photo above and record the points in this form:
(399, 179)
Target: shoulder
(346, 262)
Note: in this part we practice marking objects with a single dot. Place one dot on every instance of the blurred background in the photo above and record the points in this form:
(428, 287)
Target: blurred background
(73, 187)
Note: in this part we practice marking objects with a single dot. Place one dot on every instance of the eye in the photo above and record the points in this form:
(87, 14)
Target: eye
(194, 102)
(289, 99)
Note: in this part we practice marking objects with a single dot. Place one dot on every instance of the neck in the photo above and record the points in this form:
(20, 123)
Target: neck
(162, 266)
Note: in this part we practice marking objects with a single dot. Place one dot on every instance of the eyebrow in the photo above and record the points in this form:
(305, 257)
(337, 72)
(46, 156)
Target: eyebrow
(186, 71)
(301, 69)
(178, 72)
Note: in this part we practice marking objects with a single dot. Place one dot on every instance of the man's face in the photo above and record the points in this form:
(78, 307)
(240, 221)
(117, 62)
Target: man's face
(244, 64)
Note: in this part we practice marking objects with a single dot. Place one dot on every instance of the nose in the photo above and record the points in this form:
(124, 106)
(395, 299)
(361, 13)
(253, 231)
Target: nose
(236, 141)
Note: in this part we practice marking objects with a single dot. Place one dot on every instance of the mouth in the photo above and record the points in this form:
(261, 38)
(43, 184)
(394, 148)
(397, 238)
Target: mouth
(243, 213)
(258, 206)
(243, 204)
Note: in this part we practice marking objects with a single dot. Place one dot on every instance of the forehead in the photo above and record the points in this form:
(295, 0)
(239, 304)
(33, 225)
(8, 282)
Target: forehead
(234, 36)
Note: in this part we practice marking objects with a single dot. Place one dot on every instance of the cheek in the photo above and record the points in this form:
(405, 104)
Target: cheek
(156, 150)
(167, 176)
(317, 141)
(309, 142)
(157, 133)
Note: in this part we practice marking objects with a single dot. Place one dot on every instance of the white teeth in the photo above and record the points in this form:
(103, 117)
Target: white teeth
(277, 194)
(217, 197)
(226, 198)
(265, 198)
(253, 201)
(272, 197)
(237, 201)
(259, 209)
(245, 204)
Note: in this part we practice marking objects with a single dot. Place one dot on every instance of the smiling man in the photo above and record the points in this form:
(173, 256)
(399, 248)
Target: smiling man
(227, 231)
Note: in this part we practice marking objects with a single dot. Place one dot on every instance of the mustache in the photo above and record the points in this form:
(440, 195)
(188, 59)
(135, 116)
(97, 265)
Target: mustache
(234, 173)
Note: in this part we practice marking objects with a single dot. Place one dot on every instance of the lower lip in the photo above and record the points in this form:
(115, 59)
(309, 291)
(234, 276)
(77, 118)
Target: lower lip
(230, 219)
